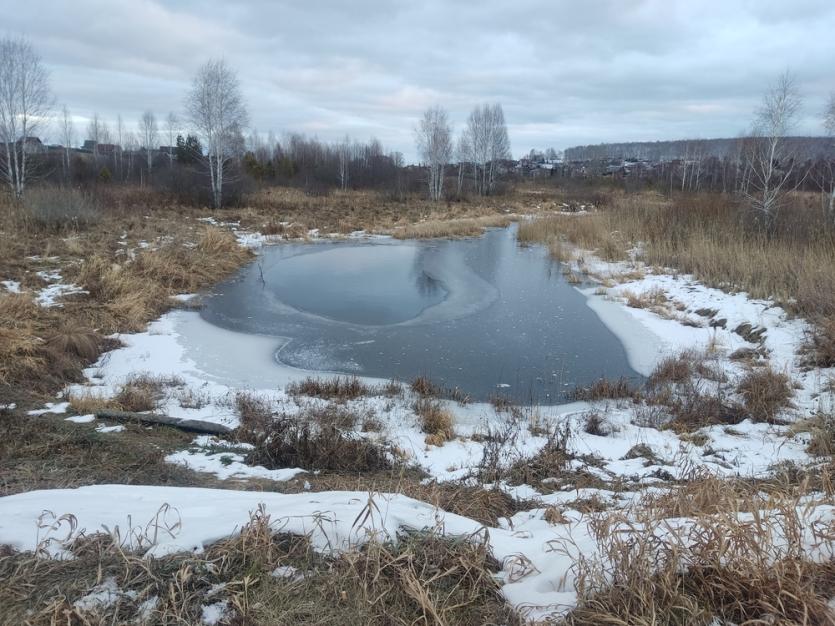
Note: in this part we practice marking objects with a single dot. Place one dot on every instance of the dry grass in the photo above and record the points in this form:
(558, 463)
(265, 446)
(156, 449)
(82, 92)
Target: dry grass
(766, 393)
(822, 344)
(21, 349)
(820, 430)
(336, 388)
(47, 347)
(423, 579)
(605, 389)
(426, 388)
(298, 442)
(467, 227)
(649, 299)
(88, 401)
(597, 232)
(435, 420)
(721, 566)
(254, 412)
(49, 453)
(347, 211)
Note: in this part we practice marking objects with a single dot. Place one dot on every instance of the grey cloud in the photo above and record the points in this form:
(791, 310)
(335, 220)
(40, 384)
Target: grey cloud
(566, 73)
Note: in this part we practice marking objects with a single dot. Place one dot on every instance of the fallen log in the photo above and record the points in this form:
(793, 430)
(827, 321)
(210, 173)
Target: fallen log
(193, 426)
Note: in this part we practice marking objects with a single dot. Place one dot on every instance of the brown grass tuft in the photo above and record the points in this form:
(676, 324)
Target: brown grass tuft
(766, 393)
(337, 388)
(77, 341)
(254, 412)
(435, 420)
(605, 389)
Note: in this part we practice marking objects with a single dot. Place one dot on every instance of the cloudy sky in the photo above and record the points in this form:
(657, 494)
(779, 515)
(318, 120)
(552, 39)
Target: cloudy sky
(566, 72)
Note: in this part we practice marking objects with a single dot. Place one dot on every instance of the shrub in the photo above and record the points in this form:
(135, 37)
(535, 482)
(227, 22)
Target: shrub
(290, 442)
(56, 209)
(253, 411)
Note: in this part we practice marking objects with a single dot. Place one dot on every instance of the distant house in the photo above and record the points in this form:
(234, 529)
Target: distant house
(103, 149)
(32, 145)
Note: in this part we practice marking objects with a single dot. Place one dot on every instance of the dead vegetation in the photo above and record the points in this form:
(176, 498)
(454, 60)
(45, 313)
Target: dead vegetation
(261, 577)
(353, 210)
(427, 388)
(712, 237)
(141, 392)
(342, 388)
(720, 565)
(606, 389)
(48, 453)
(289, 441)
(127, 285)
(435, 420)
(765, 393)
(467, 227)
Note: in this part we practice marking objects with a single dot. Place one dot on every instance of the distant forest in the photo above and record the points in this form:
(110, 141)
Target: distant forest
(805, 148)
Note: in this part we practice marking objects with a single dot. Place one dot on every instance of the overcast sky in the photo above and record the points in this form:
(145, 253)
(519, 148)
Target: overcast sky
(566, 72)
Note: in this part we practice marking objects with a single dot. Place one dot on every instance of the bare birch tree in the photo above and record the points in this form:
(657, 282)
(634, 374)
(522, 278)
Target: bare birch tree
(771, 160)
(434, 141)
(172, 125)
(66, 131)
(499, 143)
(131, 147)
(25, 104)
(343, 151)
(829, 125)
(218, 114)
(489, 143)
(96, 131)
(148, 137)
(462, 156)
(118, 152)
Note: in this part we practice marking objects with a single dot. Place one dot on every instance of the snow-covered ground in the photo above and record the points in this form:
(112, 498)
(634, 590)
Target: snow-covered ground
(538, 556)
(210, 365)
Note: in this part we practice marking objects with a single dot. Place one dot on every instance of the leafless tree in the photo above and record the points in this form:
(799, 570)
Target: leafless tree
(829, 116)
(172, 125)
(67, 133)
(96, 133)
(434, 141)
(829, 124)
(119, 149)
(148, 136)
(488, 140)
(462, 156)
(25, 103)
(343, 151)
(771, 160)
(218, 114)
(131, 147)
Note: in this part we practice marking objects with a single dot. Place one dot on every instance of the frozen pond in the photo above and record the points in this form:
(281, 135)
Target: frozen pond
(482, 314)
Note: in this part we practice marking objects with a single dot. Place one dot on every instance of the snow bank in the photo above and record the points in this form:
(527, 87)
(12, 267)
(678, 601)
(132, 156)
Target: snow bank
(537, 557)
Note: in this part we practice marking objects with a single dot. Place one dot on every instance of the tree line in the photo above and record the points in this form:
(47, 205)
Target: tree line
(211, 146)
